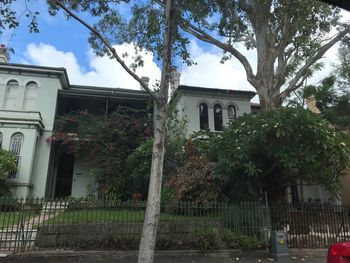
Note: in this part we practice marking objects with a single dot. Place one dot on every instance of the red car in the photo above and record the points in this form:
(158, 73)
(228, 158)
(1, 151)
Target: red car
(339, 253)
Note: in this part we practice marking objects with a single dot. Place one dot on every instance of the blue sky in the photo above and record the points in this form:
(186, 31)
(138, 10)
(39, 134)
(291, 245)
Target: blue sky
(64, 43)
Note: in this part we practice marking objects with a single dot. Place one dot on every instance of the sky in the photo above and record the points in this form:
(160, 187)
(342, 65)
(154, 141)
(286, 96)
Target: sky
(64, 43)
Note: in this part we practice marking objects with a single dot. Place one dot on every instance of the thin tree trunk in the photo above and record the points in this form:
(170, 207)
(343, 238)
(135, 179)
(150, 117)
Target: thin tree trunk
(149, 232)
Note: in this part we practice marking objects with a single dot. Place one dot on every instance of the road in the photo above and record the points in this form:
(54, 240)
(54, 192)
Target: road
(307, 256)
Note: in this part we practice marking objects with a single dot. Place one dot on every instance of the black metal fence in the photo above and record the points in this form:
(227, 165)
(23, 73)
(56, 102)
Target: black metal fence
(312, 226)
(27, 224)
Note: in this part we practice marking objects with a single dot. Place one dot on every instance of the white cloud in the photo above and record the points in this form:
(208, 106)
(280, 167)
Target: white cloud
(209, 72)
(104, 71)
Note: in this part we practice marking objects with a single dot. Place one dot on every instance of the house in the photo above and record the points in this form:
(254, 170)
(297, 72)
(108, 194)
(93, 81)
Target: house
(32, 98)
(208, 108)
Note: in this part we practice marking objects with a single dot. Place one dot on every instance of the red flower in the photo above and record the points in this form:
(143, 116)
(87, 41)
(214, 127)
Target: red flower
(48, 139)
(147, 131)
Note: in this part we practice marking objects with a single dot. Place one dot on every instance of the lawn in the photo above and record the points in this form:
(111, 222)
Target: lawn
(8, 219)
(104, 215)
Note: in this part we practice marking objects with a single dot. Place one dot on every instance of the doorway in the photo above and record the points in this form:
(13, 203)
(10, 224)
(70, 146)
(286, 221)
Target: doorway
(64, 176)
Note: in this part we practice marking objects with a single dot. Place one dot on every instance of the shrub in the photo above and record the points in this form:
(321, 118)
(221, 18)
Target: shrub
(194, 181)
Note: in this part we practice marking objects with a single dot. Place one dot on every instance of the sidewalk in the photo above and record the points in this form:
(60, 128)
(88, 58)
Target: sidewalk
(232, 256)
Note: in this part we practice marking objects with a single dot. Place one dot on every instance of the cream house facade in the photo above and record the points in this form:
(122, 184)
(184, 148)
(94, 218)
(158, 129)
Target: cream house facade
(31, 99)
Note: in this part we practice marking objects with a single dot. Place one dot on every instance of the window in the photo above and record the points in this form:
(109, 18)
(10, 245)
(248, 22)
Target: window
(231, 112)
(203, 116)
(16, 147)
(30, 96)
(11, 95)
(218, 117)
(1, 140)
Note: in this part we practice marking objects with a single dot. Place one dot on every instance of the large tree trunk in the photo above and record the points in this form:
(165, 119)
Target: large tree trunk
(149, 232)
(268, 102)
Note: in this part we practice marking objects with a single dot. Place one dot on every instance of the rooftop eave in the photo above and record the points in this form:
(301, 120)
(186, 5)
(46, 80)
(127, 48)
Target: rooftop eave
(61, 73)
(211, 91)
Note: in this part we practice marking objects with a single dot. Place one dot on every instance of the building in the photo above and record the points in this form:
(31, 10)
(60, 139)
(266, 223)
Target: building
(208, 108)
(33, 97)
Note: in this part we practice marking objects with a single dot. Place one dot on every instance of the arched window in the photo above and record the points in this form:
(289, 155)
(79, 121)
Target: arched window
(16, 144)
(30, 96)
(231, 112)
(11, 95)
(1, 136)
(218, 117)
(203, 116)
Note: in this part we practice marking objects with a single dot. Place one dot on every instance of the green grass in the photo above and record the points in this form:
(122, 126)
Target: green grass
(8, 219)
(104, 215)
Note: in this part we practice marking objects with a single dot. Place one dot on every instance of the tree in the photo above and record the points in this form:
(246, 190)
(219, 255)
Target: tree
(289, 36)
(333, 103)
(114, 139)
(8, 163)
(96, 8)
(275, 149)
(343, 67)
(194, 180)
(10, 19)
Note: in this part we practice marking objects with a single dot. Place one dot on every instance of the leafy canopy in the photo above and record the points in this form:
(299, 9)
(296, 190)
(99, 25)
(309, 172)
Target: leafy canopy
(106, 143)
(8, 163)
(274, 149)
(289, 36)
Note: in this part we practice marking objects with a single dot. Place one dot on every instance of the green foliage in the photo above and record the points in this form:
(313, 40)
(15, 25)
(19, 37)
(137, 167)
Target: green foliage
(333, 103)
(106, 143)
(214, 239)
(270, 150)
(139, 162)
(194, 180)
(343, 67)
(10, 18)
(7, 163)
(210, 240)
(285, 34)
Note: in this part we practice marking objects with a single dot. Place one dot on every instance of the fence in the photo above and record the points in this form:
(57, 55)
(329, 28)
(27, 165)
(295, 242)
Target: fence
(69, 223)
(312, 226)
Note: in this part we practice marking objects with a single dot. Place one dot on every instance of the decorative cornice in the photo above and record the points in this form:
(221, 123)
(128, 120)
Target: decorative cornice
(22, 118)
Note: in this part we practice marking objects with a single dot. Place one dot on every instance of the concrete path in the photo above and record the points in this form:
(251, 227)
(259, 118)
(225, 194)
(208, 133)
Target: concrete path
(233, 256)
(22, 236)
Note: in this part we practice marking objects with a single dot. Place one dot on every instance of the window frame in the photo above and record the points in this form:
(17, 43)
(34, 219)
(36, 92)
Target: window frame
(27, 98)
(218, 117)
(8, 96)
(16, 146)
(203, 116)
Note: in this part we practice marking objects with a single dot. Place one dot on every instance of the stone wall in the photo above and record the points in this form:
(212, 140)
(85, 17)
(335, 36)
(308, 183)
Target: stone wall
(82, 235)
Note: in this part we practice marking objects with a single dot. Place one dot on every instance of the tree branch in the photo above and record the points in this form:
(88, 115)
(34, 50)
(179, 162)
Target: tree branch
(303, 70)
(204, 36)
(110, 48)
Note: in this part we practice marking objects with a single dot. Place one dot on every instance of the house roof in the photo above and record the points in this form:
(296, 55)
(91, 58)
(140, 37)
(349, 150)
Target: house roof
(194, 89)
(94, 91)
(23, 69)
(73, 90)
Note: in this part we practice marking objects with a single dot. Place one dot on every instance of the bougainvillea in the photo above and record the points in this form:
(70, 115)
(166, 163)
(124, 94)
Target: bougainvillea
(194, 180)
(106, 142)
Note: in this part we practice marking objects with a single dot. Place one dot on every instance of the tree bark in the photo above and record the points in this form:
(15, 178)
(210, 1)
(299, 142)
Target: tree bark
(149, 232)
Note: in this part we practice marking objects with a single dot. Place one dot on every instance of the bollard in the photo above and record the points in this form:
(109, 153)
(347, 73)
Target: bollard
(279, 247)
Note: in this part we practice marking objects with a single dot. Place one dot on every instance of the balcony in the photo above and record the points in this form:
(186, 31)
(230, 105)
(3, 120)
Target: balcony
(21, 118)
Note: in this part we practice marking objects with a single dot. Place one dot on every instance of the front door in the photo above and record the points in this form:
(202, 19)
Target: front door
(64, 175)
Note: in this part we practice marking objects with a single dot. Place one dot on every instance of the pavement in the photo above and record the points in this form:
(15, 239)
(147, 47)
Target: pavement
(227, 256)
